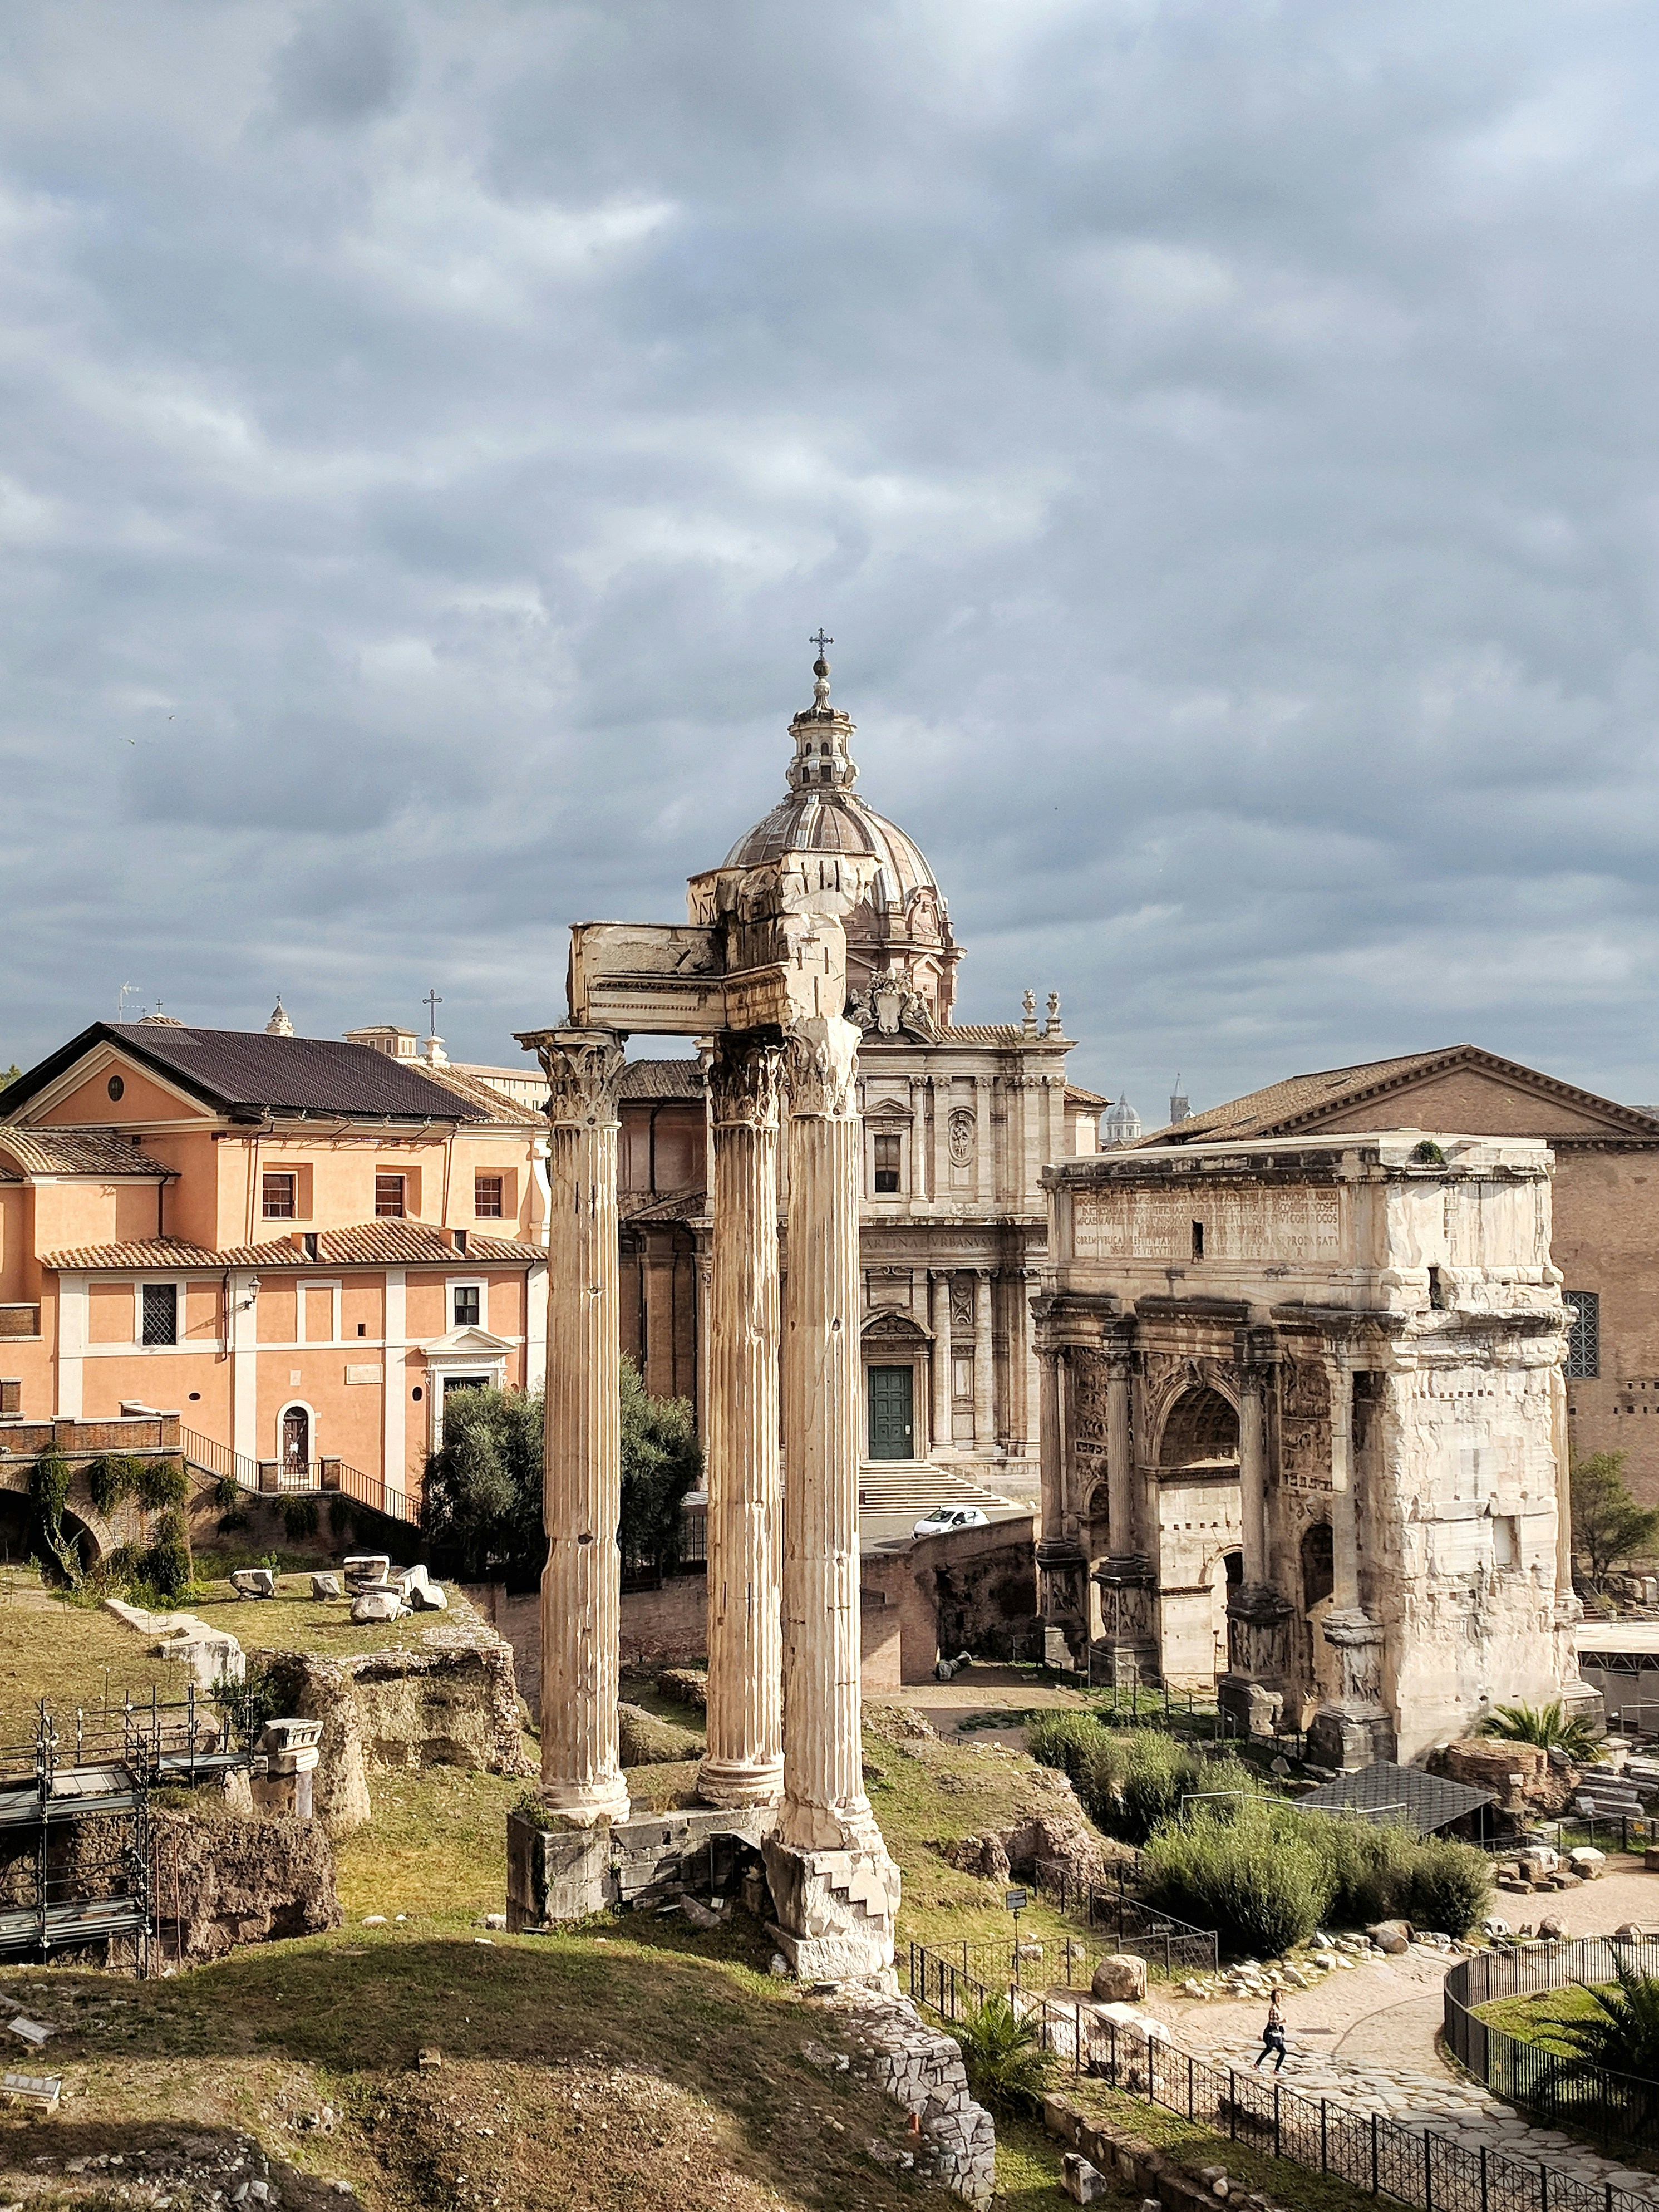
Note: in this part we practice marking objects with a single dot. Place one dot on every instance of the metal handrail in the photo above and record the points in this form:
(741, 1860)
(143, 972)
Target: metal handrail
(373, 1491)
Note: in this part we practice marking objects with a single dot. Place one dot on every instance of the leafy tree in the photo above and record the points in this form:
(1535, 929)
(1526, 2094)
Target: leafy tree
(1549, 1726)
(1607, 1523)
(483, 1484)
(661, 1460)
(1002, 2050)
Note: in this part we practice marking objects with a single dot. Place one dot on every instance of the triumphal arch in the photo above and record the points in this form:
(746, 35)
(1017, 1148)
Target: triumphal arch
(1307, 1393)
(759, 971)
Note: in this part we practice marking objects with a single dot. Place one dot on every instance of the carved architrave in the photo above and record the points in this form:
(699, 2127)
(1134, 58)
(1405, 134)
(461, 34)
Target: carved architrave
(584, 1072)
(746, 1082)
(821, 1058)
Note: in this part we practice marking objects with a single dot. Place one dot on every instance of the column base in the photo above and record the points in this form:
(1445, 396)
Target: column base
(835, 1910)
(1252, 1706)
(587, 1804)
(1125, 1662)
(733, 1782)
(1348, 1741)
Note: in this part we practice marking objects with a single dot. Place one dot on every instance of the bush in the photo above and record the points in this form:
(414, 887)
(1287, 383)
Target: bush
(1548, 1726)
(1065, 1740)
(1252, 1876)
(299, 1518)
(167, 1565)
(1452, 1886)
(1007, 2068)
(110, 1480)
(227, 1494)
(162, 1484)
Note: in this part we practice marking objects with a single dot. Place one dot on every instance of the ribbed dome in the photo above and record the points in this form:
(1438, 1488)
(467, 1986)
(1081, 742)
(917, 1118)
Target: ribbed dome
(903, 931)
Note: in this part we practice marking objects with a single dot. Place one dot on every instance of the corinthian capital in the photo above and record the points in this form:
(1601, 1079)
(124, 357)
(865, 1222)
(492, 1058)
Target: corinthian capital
(821, 1064)
(745, 1080)
(583, 1069)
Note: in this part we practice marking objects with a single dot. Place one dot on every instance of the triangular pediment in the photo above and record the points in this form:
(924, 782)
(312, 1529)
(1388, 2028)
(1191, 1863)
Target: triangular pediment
(1467, 1088)
(468, 1344)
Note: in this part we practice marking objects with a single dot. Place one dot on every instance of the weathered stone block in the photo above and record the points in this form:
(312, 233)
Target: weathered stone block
(1120, 1979)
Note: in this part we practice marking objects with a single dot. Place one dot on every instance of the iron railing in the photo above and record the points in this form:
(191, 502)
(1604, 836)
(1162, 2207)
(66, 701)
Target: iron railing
(1419, 2166)
(317, 1477)
(1559, 2090)
(1169, 1947)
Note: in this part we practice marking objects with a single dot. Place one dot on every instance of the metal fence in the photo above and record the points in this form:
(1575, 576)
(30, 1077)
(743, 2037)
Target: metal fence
(1608, 1832)
(1384, 2158)
(1559, 2091)
(316, 1478)
(1169, 1947)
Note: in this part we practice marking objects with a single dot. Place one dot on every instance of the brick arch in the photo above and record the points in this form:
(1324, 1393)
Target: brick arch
(81, 1515)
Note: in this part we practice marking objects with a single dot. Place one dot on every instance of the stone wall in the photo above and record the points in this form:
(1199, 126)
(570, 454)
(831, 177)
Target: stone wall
(668, 1626)
(221, 1881)
(920, 2068)
(450, 1700)
(973, 1589)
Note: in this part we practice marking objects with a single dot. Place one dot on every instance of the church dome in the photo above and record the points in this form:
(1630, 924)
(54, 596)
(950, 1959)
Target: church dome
(901, 934)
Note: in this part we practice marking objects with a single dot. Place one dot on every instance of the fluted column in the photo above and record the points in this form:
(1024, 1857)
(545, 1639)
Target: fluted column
(743, 1765)
(984, 1402)
(825, 1807)
(1119, 1460)
(1253, 1474)
(581, 1495)
(939, 1293)
(1344, 1525)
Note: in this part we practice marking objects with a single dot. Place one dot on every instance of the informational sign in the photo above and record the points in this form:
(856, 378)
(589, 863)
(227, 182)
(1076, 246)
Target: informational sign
(1015, 1899)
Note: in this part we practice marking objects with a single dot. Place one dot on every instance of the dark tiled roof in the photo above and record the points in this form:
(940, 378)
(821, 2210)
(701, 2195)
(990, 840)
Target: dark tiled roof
(661, 1079)
(76, 1152)
(365, 1244)
(1405, 1794)
(1300, 1103)
(246, 1073)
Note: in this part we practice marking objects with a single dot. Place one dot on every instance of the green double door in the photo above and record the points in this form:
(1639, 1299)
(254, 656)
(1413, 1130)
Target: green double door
(892, 1413)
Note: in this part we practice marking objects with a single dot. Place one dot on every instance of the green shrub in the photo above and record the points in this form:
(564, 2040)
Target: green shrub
(1551, 1727)
(339, 1516)
(299, 1518)
(167, 1567)
(1452, 1886)
(110, 1480)
(1066, 1742)
(1002, 2049)
(49, 1489)
(227, 1494)
(162, 1484)
(1251, 1874)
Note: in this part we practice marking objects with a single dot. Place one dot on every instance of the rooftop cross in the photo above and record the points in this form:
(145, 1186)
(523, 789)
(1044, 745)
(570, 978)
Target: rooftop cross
(820, 641)
(432, 1002)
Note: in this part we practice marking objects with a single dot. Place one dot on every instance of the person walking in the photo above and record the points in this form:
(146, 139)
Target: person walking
(1272, 2036)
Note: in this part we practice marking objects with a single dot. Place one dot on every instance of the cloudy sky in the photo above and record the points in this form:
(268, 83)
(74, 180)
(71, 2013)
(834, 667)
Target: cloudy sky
(1219, 436)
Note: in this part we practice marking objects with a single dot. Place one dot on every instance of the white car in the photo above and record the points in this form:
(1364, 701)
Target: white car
(944, 1518)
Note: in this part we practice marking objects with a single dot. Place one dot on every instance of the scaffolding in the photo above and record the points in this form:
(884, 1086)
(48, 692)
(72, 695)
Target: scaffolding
(100, 1768)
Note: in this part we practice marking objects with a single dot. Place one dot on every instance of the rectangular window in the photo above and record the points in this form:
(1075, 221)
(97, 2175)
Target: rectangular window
(389, 1197)
(160, 1312)
(887, 1163)
(11, 1397)
(279, 1201)
(487, 1197)
(1198, 1240)
(468, 1305)
(1584, 1337)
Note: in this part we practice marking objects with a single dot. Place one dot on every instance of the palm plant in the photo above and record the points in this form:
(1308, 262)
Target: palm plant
(1620, 2039)
(1549, 1726)
(1007, 2068)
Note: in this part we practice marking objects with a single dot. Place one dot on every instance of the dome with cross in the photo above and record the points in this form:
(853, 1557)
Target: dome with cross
(899, 946)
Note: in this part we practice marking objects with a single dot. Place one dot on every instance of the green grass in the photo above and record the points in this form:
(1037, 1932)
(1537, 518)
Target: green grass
(1191, 2145)
(1536, 2018)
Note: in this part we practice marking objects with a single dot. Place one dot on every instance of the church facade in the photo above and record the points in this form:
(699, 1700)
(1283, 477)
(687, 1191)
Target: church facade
(960, 1122)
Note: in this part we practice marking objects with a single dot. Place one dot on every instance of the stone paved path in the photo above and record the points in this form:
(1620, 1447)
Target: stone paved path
(1367, 2037)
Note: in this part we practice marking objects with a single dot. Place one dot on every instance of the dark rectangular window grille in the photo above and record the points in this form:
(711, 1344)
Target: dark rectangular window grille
(468, 1306)
(279, 1202)
(487, 1197)
(11, 1397)
(389, 1197)
(160, 1313)
(1584, 1337)
(887, 1163)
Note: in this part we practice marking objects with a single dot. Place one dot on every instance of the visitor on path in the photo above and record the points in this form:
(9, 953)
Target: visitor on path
(1272, 2035)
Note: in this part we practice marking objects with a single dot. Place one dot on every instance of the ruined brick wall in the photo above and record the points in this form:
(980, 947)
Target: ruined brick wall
(221, 1881)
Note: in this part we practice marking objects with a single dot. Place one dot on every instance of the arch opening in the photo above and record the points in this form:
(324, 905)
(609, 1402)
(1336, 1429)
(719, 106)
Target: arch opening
(1201, 1430)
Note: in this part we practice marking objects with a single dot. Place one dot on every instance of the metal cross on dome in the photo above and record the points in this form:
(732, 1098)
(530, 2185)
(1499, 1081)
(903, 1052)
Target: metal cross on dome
(820, 641)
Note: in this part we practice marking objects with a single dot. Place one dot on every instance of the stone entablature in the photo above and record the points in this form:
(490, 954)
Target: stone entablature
(1309, 1395)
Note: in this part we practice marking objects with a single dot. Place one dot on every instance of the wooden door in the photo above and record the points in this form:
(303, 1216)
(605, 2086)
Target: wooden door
(296, 1438)
(891, 1412)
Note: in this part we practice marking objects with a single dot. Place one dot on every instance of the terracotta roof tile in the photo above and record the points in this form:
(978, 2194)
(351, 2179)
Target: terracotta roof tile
(494, 1105)
(76, 1152)
(365, 1244)
(169, 1252)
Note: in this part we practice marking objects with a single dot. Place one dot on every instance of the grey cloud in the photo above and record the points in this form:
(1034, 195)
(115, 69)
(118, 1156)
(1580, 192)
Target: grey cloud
(344, 61)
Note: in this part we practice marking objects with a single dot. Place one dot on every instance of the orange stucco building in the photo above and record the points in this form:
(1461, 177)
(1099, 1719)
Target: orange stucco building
(301, 1245)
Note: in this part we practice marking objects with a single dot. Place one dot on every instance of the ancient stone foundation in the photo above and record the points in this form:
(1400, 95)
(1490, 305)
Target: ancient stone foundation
(566, 1873)
(221, 1881)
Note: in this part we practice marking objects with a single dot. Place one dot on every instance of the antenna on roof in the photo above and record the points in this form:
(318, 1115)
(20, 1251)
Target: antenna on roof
(121, 1002)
